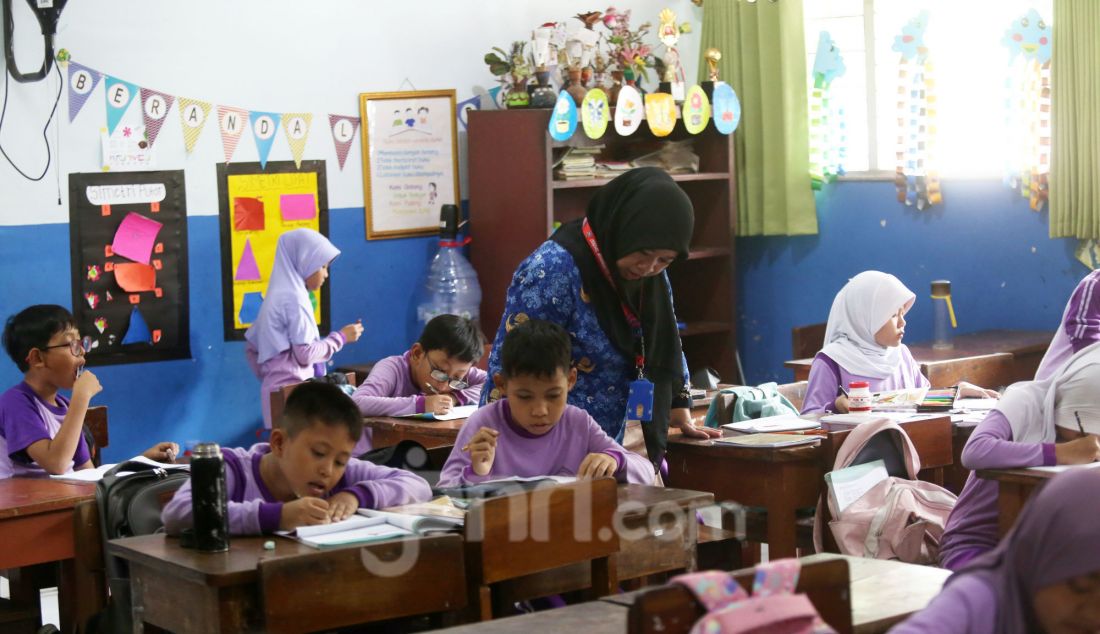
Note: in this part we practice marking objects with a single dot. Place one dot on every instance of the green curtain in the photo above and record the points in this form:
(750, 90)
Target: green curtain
(1075, 120)
(764, 60)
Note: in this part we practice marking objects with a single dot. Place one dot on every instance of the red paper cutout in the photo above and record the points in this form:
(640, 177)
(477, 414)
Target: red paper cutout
(157, 264)
(248, 214)
(135, 299)
(159, 292)
(109, 266)
(108, 251)
(154, 207)
(105, 210)
(156, 333)
(135, 278)
(159, 248)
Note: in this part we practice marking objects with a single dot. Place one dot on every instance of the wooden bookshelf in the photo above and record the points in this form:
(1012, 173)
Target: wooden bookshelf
(515, 201)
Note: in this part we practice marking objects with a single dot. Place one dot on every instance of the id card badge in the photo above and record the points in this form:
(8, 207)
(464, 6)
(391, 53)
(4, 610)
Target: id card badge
(639, 401)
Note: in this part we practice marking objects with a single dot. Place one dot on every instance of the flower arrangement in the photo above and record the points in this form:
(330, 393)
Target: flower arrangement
(627, 48)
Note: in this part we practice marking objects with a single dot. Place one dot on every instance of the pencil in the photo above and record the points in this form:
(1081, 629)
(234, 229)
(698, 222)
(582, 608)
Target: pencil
(1079, 425)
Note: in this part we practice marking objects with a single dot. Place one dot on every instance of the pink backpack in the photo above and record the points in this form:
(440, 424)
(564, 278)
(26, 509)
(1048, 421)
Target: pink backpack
(899, 518)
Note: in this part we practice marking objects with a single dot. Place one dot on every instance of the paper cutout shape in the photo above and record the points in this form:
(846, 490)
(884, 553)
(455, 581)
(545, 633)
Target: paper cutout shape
(156, 264)
(247, 270)
(911, 41)
(563, 121)
(107, 252)
(628, 111)
(154, 207)
(135, 299)
(660, 112)
(231, 121)
(250, 307)
(1030, 36)
(108, 267)
(93, 299)
(100, 324)
(135, 278)
(463, 108)
(82, 81)
(595, 113)
(726, 107)
(248, 214)
(696, 112)
(158, 292)
(138, 330)
(135, 237)
(193, 115)
(296, 127)
(93, 273)
(119, 94)
(343, 133)
(110, 297)
(264, 125)
(157, 335)
(159, 248)
(297, 207)
(154, 110)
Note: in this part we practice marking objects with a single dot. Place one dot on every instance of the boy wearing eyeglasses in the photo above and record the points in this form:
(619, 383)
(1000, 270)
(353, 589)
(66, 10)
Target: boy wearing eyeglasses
(41, 430)
(434, 375)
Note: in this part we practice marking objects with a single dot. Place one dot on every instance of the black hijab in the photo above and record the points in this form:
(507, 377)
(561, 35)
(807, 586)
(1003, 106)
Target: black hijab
(639, 210)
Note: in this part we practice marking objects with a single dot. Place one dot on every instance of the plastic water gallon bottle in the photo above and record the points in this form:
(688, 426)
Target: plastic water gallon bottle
(943, 315)
(451, 287)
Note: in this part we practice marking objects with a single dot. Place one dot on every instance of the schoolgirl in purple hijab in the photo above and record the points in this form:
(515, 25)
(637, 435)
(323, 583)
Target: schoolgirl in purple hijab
(1044, 576)
(284, 346)
(1079, 329)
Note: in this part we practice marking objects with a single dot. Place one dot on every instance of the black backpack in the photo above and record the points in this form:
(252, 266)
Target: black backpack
(129, 505)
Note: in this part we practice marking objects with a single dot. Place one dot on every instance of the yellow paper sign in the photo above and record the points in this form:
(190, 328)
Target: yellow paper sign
(660, 112)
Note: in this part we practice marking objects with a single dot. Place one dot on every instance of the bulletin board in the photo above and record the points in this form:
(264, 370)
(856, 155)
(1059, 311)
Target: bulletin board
(128, 243)
(256, 206)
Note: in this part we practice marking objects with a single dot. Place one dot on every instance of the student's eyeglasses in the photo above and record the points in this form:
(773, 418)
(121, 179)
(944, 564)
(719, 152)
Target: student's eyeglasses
(77, 346)
(443, 377)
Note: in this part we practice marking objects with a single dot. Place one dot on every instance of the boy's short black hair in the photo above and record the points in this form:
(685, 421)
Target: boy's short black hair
(536, 348)
(312, 402)
(457, 336)
(33, 327)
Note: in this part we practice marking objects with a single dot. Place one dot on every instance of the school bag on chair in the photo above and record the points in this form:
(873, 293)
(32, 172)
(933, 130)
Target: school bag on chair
(900, 517)
(745, 402)
(129, 505)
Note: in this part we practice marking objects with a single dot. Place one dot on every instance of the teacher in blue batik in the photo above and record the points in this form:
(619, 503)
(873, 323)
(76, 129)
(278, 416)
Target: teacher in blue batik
(602, 278)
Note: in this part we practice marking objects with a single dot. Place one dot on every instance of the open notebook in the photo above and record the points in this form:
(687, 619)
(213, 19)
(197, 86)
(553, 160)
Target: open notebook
(462, 411)
(369, 525)
(96, 474)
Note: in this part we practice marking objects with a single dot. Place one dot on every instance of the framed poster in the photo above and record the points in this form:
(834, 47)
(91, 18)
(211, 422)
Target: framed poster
(410, 161)
(256, 205)
(128, 243)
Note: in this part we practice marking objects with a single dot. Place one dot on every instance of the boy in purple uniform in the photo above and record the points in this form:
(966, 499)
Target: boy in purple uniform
(306, 474)
(1021, 432)
(41, 430)
(1080, 326)
(1043, 577)
(533, 431)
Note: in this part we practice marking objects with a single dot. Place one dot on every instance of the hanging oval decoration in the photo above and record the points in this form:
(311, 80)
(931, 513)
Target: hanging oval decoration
(628, 111)
(563, 121)
(696, 112)
(660, 112)
(595, 113)
(726, 107)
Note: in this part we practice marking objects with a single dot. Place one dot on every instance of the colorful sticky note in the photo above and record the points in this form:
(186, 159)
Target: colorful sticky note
(135, 237)
(138, 330)
(134, 278)
(250, 307)
(297, 207)
(248, 214)
(247, 270)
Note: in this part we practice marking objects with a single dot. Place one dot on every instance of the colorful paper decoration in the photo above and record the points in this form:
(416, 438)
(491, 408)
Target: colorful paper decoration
(343, 133)
(1027, 108)
(154, 110)
(248, 214)
(193, 115)
(827, 139)
(119, 94)
(595, 113)
(464, 107)
(82, 81)
(135, 237)
(726, 107)
(138, 330)
(247, 269)
(93, 272)
(250, 307)
(296, 127)
(628, 111)
(916, 179)
(100, 324)
(264, 125)
(135, 278)
(696, 111)
(297, 207)
(660, 112)
(231, 121)
(563, 121)
(92, 299)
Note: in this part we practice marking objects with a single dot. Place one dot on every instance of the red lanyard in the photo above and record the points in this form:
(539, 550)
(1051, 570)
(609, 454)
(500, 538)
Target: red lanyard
(631, 318)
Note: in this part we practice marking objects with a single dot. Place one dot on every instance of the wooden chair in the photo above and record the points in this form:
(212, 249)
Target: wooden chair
(279, 396)
(672, 609)
(524, 533)
(95, 421)
(988, 370)
(794, 392)
(806, 341)
(339, 588)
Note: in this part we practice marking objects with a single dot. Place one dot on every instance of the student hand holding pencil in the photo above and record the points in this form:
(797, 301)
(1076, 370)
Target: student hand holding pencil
(307, 511)
(483, 450)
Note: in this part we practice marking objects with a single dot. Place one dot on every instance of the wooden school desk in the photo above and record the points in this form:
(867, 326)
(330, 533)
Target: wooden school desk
(1016, 487)
(783, 480)
(390, 430)
(36, 526)
(592, 617)
(1026, 348)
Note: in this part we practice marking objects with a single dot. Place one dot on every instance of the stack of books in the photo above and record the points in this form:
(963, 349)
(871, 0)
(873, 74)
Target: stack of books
(578, 163)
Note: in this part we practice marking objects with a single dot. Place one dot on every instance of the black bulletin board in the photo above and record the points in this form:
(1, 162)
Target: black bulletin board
(99, 203)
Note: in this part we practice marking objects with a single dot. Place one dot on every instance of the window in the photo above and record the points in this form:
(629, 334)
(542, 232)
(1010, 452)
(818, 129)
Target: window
(970, 66)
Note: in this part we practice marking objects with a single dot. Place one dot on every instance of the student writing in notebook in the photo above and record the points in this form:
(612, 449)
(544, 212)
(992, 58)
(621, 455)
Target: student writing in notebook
(306, 475)
(1043, 577)
(863, 343)
(1037, 423)
(40, 429)
(533, 431)
(1080, 326)
(284, 346)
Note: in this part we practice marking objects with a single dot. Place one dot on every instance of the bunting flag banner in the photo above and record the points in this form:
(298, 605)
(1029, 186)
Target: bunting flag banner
(193, 114)
(473, 103)
(1027, 107)
(82, 81)
(827, 137)
(231, 121)
(119, 95)
(343, 133)
(154, 110)
(264, 125)
(296, 127)
(915, 177)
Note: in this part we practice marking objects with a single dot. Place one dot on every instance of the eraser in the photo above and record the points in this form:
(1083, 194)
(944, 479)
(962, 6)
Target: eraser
(269, 545)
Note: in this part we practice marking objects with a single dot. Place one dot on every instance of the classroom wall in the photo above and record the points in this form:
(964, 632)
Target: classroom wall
(275, 55)
(1004, 269)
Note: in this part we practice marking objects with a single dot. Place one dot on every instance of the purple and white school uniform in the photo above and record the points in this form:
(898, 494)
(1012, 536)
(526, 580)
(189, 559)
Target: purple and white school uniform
(558, 452)
(1080, 326)
(253, 510)
(390, 391)
(24, 420)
